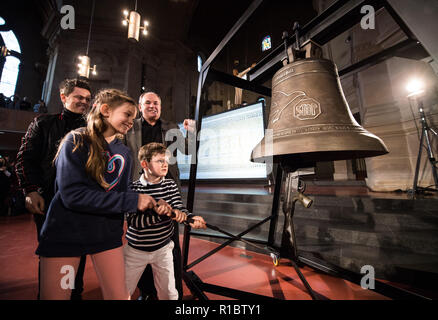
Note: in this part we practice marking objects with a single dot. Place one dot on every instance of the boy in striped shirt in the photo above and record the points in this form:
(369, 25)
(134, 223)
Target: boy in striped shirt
(150, 232)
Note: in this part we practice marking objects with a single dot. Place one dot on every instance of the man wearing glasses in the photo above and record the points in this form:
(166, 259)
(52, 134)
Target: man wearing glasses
(34, 168)
(151, 128)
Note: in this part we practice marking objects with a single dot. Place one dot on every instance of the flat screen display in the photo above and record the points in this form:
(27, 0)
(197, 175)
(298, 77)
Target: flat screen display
(226, 142)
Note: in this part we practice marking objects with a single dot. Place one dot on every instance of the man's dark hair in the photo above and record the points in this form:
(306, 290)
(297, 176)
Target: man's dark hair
(68, 85)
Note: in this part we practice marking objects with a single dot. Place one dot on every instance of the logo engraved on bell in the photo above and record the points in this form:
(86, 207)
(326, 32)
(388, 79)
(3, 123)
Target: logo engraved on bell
(276, 113)
(307, 109)
(304, 108)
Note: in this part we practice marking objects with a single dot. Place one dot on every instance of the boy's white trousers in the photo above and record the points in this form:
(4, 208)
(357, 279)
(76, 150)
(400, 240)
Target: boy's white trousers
(161, 262)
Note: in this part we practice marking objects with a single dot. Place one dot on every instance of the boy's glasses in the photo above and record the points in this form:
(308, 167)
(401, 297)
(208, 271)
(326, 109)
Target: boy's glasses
(161, 162)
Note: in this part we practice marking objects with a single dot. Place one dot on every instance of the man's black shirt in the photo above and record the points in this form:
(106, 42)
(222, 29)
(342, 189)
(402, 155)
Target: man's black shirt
(150, 133)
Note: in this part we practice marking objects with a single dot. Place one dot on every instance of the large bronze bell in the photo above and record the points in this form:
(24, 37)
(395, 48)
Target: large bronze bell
(310, 119)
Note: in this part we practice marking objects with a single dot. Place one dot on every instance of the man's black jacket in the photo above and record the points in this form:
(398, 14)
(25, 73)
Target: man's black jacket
(34, 166)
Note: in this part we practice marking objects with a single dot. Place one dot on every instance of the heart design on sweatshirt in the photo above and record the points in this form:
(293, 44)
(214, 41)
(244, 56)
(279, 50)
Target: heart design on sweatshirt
(116, 164)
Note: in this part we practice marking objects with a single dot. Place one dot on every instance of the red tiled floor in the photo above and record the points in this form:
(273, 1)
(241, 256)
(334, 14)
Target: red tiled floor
(253, 272)
(230, 267)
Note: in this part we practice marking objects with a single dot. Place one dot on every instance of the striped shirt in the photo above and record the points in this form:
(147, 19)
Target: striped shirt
(147, 230)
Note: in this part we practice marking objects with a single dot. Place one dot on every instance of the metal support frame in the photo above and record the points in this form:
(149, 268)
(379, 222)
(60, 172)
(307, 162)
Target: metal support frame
(198, 117)
(341, 16)
(223, 245)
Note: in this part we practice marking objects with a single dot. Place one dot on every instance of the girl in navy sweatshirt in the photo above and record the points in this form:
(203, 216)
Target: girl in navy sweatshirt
(91, 196)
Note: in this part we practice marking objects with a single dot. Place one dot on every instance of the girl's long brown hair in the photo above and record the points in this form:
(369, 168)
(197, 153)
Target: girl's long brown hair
(93, 134)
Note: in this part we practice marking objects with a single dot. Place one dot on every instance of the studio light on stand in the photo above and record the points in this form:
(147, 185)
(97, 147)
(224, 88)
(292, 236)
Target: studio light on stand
(416, 91)
(85, 62)
(133, 20)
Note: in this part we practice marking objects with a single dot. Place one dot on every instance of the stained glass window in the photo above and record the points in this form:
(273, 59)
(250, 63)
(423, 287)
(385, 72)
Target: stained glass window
(10, 41)
(9, 74)
(266, 44)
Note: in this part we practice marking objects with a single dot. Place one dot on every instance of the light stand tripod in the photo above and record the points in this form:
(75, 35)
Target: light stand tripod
(425, 129)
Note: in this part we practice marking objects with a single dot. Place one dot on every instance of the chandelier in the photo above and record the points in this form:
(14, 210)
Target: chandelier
(132, 20)
(85, 62)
